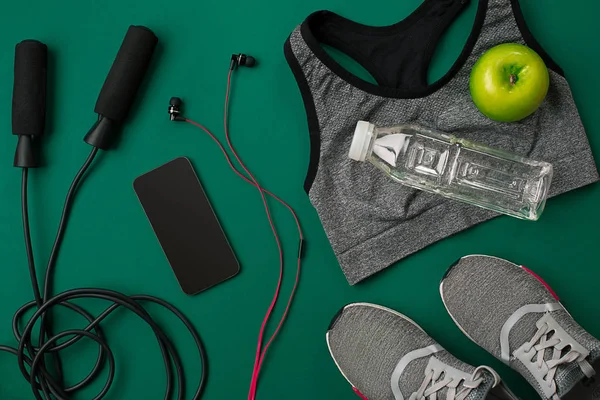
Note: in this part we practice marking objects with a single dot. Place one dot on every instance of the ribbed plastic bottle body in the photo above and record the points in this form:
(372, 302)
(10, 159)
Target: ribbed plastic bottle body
(461, 170)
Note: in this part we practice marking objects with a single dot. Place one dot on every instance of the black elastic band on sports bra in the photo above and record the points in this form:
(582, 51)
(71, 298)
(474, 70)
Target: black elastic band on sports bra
(397, 55)
(313, 40)
(311, 115)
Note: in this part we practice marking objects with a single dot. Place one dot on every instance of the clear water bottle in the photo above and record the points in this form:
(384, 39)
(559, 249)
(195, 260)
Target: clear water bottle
(455, 168)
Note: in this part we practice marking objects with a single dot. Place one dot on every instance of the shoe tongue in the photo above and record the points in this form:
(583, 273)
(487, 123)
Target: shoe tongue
(567, 376)
(483, 390)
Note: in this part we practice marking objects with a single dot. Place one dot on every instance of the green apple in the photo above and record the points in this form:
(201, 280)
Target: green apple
(509, 82)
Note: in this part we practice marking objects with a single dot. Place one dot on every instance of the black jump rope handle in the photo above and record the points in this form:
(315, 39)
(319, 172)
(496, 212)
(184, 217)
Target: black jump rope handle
(29, 100)
(126, 74)
(121, 85)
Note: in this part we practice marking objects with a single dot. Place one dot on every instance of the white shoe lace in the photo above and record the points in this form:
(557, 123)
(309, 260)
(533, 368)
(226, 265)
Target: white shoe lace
(545, 339)
(458, 389)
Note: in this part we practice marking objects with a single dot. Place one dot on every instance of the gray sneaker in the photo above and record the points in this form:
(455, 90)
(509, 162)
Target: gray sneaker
(386, 356)
(513, 314)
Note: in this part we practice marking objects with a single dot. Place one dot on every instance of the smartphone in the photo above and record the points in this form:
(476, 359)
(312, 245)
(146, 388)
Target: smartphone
(186, 226)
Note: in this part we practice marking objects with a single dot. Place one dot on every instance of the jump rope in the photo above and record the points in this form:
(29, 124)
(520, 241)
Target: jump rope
(261, 350)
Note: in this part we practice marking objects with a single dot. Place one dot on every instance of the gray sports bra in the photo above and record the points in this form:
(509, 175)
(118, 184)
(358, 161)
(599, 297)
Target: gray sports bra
(371, 221)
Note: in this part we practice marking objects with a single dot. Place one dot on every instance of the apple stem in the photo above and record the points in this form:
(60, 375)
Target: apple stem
(513, 79)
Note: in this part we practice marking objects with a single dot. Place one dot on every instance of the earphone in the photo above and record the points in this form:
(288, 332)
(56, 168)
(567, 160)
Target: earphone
(175, 114)
(175, 109)
(242, 60)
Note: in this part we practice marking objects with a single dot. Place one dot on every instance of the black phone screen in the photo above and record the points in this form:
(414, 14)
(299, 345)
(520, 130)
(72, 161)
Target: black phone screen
(186, 226)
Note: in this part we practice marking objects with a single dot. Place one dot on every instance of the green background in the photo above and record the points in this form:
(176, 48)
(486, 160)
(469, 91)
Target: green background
(110, 243)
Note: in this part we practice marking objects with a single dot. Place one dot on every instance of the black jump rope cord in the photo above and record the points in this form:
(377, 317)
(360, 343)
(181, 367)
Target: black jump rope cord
(46, 380)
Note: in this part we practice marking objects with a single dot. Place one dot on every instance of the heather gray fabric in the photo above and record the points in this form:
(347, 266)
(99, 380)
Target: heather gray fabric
(368, 341)
(482, 292)
(371, 221)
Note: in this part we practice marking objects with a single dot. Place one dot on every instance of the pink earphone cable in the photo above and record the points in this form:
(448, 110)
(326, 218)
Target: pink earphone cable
(261, 350)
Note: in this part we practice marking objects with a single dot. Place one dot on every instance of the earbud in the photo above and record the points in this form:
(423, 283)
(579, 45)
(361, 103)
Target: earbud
(175, 109)
(242, 60)
(248, 61)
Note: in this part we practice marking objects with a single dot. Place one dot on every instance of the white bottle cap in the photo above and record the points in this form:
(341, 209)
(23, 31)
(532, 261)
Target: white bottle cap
(361, 141)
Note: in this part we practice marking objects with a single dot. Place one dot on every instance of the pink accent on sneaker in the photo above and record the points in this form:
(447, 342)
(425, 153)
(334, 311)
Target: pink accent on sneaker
(362, 396)
(536, 276)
